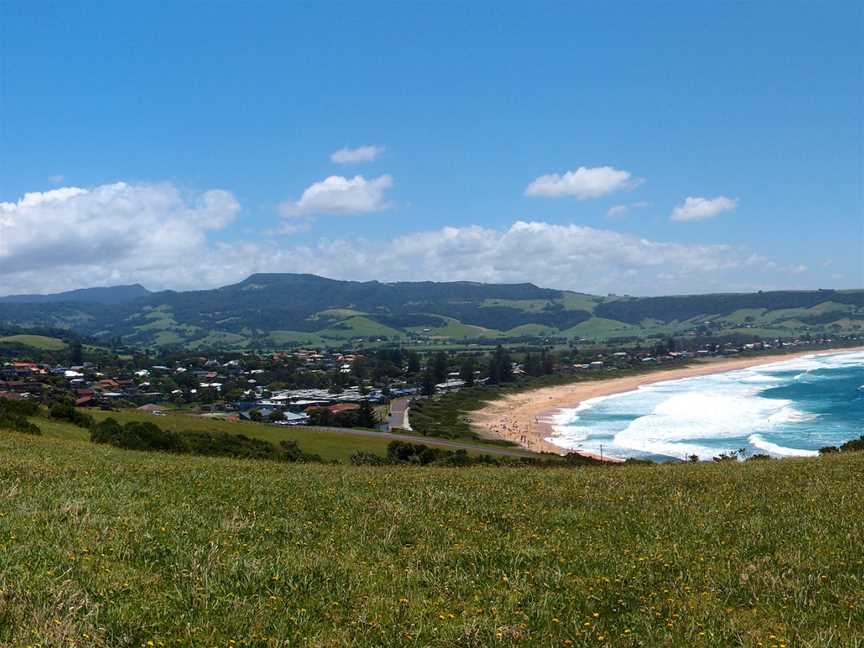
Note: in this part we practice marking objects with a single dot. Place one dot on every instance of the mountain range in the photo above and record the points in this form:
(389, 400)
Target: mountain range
(280, 310)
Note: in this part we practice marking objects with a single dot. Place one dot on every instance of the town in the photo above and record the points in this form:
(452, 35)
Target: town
(326, 387)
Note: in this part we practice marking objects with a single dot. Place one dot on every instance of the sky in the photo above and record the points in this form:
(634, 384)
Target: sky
(618, 147)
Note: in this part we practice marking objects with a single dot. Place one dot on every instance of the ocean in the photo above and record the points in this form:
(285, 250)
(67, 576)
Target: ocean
(787, 408)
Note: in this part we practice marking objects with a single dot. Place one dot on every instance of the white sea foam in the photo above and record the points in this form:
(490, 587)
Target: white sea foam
(701, 415)
(791, 415)
(758, 441)
(693, 416)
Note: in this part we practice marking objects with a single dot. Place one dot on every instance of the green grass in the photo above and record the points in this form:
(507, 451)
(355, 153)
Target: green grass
(294, 337)
(532, 329)
(359, 326)
(600, 327)
(41, 342)
(580, 301)
(219, 340)
(526, 305)
(456, 330)
(103, 548)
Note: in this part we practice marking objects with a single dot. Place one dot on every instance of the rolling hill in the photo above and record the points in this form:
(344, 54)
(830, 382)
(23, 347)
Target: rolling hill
(278, 310)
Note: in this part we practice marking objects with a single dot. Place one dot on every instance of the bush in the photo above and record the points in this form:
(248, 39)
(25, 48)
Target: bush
(13, 416)
(149, 436)
(855, 445)
(368, 459)
(65, 411)
(137, 436)
(19, 407)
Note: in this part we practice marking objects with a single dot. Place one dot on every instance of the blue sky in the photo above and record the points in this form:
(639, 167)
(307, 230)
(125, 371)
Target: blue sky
(172, 144)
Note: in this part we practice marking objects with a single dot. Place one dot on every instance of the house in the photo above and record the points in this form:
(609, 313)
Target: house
(291, 418)
(336, 408)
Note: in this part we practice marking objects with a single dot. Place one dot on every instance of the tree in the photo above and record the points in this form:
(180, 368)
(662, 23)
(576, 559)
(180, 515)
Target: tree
(366, 416)
(77, 354)
(505, 365)
(413, 363)
(494, 370)
(440, 367)
(275, 416)
(427, 386)
(532, 367)
(547, 363)
(321, 416)
(255, 415)
(466, 371)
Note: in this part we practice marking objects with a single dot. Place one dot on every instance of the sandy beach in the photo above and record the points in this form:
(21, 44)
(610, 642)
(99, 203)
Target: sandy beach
(524, 418)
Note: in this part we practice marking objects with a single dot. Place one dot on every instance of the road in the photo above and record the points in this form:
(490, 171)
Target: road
(398, 418)
(430, 441)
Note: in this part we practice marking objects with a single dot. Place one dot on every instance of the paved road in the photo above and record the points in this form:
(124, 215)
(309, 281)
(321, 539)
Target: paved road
(398, 418)
(430, 441)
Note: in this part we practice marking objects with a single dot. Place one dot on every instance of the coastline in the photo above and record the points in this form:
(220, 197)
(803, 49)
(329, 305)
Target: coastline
(524, 418)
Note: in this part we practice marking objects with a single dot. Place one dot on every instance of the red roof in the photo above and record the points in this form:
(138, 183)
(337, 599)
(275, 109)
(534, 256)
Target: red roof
(343, 407)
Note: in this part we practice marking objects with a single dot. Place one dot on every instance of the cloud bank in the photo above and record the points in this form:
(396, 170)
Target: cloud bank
(161, 237)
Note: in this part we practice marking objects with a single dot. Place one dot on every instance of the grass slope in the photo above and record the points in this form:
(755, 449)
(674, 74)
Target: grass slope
(109, 548)
(35, 341)
(330, 444)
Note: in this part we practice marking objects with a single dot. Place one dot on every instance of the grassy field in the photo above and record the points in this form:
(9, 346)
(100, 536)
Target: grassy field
(41, 342)
(111, 548)
(331, 445)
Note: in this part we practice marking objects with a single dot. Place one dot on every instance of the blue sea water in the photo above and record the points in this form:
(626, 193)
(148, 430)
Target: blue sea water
(788, 408)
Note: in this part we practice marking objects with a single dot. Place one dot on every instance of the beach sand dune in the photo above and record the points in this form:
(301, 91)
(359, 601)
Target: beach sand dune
(526, 418)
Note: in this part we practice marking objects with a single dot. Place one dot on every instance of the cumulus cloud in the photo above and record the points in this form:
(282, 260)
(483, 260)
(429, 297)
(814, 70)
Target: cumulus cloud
(583, 183)
(159, 236)
(366, 153)
(696, 208)
(341, 195)
(72, 237)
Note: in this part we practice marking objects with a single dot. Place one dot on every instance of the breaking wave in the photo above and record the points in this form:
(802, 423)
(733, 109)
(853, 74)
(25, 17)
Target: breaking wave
(788, 408)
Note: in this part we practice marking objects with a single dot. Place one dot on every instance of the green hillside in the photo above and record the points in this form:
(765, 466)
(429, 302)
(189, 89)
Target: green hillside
(280, 310)
(42, 342)
(111, 548)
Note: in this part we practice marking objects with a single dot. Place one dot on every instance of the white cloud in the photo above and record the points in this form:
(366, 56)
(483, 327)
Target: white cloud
(159, 236)
(57, 179)
(366, 153)
(341, 195)
(71, 237)
(583, 183)
(616, 211)
(699, 208)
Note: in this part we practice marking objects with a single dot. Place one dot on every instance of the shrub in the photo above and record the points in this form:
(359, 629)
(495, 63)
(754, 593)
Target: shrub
(137, 436)
(360, 458)
(855, 445)
(65, 411)
(13, 416)
(149, 436)
(19, 407)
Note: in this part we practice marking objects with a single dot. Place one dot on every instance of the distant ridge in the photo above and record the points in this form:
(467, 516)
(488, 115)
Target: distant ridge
(109, 296)
(273, 311)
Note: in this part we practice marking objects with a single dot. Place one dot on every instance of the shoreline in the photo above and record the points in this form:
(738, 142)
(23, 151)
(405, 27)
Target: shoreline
(524, 418)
